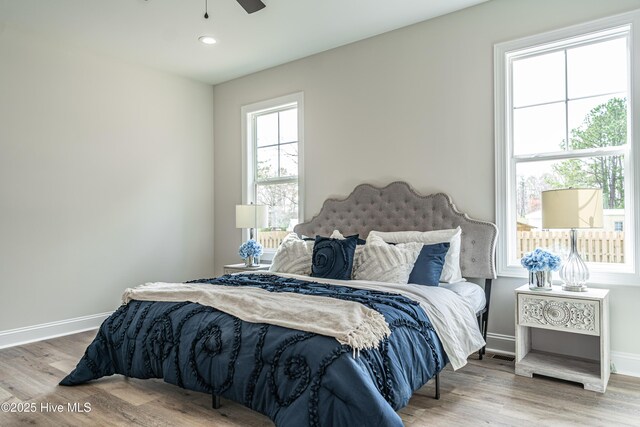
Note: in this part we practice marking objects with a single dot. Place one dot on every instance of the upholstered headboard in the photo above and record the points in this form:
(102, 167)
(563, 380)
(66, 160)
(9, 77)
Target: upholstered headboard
(398, 207)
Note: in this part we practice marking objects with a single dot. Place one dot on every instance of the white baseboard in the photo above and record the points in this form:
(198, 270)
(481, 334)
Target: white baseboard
(50, 330)
(501, 344)
(623, 363)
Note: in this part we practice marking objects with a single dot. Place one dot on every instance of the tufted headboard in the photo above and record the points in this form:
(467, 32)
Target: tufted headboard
(397, 207)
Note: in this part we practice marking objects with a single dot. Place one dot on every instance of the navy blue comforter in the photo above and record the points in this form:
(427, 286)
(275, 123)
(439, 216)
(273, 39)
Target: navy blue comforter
(296, 378)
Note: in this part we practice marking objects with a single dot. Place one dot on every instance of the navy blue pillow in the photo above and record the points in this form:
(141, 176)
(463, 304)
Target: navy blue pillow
(333, 258)
(428, 266)
(360, 241)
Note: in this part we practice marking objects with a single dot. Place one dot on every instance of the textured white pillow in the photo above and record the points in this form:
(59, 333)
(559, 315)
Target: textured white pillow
(382, 262)
(293, 256)
(451, 272)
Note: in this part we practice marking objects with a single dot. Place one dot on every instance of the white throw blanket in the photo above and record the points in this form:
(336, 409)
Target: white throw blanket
(348, 322)
(451, 316)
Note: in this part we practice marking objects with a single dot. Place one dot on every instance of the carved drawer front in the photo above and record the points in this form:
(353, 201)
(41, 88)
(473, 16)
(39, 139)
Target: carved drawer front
(561, 314)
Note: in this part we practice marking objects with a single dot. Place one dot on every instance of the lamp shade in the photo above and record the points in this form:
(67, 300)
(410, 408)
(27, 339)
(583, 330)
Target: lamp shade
(252, 216)
(572, 208)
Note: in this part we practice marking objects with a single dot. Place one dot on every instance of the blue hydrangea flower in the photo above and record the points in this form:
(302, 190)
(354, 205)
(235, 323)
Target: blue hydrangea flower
(250, 248)
(540, 260)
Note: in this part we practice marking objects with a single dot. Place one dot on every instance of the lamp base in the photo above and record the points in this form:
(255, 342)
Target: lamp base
(574, 288)
(574, 272)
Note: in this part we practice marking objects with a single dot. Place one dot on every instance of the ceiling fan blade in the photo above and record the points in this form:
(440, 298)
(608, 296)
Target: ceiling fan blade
(251, 5)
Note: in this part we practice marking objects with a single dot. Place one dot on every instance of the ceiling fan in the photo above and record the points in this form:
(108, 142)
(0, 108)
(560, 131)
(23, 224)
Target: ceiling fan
(251, 5)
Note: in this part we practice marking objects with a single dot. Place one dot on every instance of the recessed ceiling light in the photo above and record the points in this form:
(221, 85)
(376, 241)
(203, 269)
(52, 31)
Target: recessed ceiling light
(207, 39)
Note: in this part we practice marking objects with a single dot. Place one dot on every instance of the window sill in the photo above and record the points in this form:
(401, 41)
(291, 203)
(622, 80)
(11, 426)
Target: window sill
(604, 278)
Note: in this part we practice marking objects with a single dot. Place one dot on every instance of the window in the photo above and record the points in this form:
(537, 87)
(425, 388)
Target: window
(272, 164)
(563, 119)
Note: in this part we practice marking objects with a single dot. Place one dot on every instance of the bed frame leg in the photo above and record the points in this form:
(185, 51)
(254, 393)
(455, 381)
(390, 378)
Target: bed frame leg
(215, 402)
(481, 328)
(437, 396)
(485, 317)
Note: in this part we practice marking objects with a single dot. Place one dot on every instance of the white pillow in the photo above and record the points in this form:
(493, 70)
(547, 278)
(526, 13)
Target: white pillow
(337, 235)
(293, 256)
(451, 272)
(382, 262)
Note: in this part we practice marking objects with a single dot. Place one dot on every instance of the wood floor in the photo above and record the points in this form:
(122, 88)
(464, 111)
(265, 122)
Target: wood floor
(483, 392)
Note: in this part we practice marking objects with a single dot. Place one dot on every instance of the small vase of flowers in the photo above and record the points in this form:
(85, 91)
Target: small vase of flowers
(540, 264)
(250, 251)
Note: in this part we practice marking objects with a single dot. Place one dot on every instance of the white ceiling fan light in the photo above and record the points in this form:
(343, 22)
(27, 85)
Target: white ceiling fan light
(209, 40)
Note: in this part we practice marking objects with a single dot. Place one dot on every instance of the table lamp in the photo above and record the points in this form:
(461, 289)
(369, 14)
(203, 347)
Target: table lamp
(251, 217)
(572, 208)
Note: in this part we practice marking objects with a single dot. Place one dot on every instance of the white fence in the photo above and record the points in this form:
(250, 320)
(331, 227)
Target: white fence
(271, 239)
(593, 245)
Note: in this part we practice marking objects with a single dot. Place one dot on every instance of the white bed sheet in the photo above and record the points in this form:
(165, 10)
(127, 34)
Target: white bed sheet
(472, 293)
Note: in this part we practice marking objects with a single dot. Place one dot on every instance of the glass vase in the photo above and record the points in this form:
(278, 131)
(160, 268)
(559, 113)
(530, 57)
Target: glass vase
(574, 272)
(540, 280)
(248, 261)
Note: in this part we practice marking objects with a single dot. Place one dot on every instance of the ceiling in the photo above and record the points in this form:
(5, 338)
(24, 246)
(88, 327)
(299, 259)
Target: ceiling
(163, 34)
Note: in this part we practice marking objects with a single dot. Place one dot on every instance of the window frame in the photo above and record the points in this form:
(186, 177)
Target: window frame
(248, 114)
(505, 185)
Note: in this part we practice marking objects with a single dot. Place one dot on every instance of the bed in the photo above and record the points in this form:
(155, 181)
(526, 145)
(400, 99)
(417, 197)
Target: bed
(297, 377)
(398, 207)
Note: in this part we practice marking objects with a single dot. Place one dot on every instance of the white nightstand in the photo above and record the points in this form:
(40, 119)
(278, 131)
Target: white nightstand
(584, 313)
(237, 268)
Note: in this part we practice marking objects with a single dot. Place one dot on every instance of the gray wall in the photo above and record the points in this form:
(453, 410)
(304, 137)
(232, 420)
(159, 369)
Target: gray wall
(415, 104)
(106, 180)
